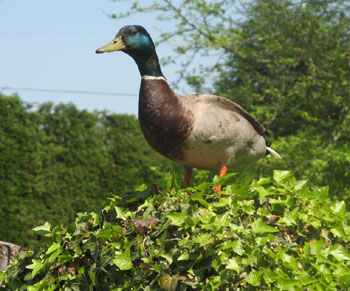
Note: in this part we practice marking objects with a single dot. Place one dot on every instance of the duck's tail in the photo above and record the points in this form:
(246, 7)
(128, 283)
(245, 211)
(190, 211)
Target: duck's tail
(272, 152)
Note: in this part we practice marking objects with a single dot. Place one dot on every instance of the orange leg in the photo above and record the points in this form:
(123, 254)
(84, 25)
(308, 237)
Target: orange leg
(222, 172)
(187, 176)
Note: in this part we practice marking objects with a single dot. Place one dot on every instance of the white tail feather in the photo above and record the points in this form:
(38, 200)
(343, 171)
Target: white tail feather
(273, 152)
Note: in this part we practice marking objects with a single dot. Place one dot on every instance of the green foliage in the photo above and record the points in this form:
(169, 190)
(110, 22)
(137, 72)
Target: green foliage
(274, 233)
(286, 62)
(56, 161)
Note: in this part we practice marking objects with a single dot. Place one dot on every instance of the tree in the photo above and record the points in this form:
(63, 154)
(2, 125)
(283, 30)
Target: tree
(287, 62)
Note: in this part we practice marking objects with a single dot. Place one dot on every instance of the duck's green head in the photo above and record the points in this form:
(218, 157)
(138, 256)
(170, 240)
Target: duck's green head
(136, 42)
(131, 39)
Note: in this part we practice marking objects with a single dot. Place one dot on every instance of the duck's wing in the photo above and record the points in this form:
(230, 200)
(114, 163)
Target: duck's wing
(226, 104)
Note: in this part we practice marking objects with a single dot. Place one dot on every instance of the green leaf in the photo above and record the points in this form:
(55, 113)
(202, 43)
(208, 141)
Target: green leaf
(339, 208)
(338, 231)
(199, 198)
(289, 261)
(237, 247)
(122, 213)
(262, 191)
(43, 285)
(223, 202)
(341, 271)
(204, 239)
(232, 264)
(184, 256)
(299, 184)
(290, 218)
(321, 194)
(36, 266)
(339, 252)
(279, 176)
(269, 276)
(141, 188)
(254, 278)
(263, 181)
(221, 220)
(247, 206)
(168, 257)
(123, 261)
(43, 230)
(92, 276)
(258, 226)
(177, 218)
(168, 283)
(171, 182)
(287, 284)
(203, 187)
(223, 180)
(53, 247)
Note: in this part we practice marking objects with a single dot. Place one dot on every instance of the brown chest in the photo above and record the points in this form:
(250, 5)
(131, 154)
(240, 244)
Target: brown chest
(163, 119)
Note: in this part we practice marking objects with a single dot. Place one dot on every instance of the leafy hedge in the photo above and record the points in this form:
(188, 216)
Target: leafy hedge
(58, 160)
(274, 233)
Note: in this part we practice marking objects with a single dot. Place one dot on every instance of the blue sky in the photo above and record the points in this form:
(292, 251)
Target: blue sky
(51, 45)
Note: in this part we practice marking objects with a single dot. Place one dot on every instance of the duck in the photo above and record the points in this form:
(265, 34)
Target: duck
(202, 131)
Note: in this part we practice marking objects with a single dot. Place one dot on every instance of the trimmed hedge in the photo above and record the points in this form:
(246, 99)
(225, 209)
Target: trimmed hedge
(56, 161)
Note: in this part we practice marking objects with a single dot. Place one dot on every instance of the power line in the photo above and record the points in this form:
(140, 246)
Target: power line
(68, 91)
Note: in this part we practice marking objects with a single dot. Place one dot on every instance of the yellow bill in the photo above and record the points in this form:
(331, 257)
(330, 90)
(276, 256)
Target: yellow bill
(115, 45)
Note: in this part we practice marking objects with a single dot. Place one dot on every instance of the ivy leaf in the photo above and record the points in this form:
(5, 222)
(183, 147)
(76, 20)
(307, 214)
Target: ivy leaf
(123, 261)
(290, 218)
(299, 184)
(340, 253)
(338, 231)
(232, 264)
(184, 256)
(199, 198)
(177, 218)
(261, 190)
(53, 247)
(254, 278)
(36, 266)
(168, 257)
(321, 194)
(287, 284)
(279, 176)
(247, 206)
(222, 180)
(168, 283)
(263, 181)
(223, 202)
(204, 239)
(237, 247)
(122, 213)
(203, 187)
(43, 230)
(258, 226)
(339, 208)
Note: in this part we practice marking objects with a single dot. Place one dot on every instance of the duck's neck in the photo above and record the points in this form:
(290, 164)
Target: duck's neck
(156, 96)
(149, 66)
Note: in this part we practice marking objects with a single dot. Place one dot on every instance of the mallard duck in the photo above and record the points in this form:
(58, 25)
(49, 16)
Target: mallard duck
(201, 131)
